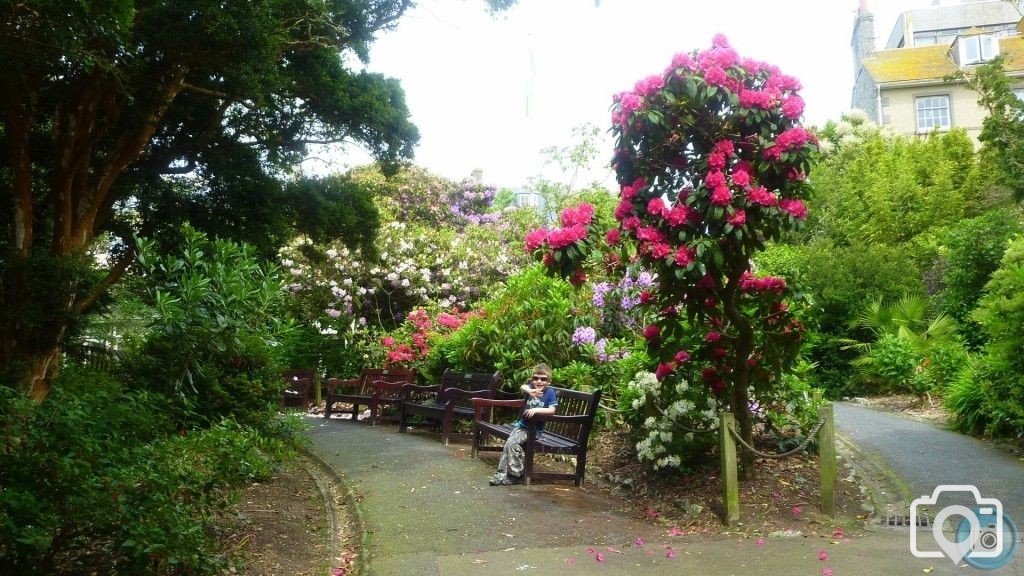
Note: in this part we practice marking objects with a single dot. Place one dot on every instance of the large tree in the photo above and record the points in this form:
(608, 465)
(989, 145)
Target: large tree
(122, 116)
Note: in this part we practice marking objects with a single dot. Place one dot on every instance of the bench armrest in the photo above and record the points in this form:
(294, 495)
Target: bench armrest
(482, 404)
(581, 418)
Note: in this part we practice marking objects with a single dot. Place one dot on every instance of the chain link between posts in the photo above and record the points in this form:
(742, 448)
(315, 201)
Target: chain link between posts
(800, 448)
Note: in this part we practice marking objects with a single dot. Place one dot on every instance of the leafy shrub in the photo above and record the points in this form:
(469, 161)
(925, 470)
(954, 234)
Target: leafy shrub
(96, 480)
(1000, 312)
(965, 399)
(530, 320)
(973, 250)
(210, 348)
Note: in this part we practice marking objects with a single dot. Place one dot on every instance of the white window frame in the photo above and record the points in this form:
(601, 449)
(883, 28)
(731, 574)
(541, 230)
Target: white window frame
(977, 49)
(933, 111)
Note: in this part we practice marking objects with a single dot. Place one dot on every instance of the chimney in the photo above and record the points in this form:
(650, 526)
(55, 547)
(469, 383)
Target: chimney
(863, 41)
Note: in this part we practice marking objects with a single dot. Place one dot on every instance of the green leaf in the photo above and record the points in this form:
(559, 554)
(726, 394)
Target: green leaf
(691, 89)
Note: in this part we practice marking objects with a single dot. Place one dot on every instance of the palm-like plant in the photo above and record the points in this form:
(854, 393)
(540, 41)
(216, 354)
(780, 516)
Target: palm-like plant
(902, 337)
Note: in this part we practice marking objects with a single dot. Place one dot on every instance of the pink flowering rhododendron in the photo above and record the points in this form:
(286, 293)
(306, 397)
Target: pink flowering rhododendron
(712, 161)
(564, 250)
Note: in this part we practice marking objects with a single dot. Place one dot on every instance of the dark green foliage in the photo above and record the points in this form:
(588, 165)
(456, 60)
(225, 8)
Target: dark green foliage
(96, 480)
(1002, 132)
(211, 342)
(973, 249)
(1000, 313)
(129, 118)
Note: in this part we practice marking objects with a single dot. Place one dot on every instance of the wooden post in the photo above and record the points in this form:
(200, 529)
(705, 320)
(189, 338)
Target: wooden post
(730, 484)
(318, 396)
(827, 460)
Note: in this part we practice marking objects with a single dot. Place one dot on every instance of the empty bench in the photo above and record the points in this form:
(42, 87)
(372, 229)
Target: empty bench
(448, 401)
(360, 391)
(298, 387)
(567, 431)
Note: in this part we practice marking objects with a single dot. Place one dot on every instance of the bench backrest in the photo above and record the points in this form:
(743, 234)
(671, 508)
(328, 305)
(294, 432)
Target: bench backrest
(367, 376)
(469, 381)
(298, 374)
(575, 403)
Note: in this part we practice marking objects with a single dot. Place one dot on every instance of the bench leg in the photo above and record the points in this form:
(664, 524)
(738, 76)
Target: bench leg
(446, 429)
(327, 408)
(528, 464)
(581, 468)
(402, 424)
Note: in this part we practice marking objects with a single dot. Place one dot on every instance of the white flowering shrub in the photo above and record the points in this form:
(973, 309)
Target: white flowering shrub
(444, 260)
(673, 424)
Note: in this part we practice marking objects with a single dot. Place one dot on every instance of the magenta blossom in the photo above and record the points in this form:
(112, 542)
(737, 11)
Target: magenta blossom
(582, 214)
(793, 107)
(762, 197)
(721, 196)
(536, 239)
(795, 208)
(663, 370)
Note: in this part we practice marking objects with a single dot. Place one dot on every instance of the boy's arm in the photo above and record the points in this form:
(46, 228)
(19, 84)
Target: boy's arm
(531, 412)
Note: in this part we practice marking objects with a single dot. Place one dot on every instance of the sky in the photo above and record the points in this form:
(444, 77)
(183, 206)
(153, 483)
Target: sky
(489, 92)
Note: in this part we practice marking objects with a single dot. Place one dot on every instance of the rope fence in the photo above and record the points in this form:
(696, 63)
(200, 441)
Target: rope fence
(729, 437)
(803, 445)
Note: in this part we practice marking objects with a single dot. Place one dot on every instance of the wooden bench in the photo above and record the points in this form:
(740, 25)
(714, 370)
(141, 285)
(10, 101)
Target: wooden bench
(448, 401)
(360, 391)
(567, 431)
(298, 388)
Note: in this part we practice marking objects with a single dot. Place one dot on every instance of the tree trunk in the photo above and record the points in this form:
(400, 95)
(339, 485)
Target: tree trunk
(744, 346)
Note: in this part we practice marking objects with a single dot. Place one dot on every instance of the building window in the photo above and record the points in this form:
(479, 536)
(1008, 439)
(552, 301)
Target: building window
(977, 49)
(932, 113)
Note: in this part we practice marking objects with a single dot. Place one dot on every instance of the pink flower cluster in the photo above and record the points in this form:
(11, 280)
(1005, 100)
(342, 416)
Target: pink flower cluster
(774, 284)
(793, 207)
(791, 139)
(422, 327)
(582, 214)
(575, 226)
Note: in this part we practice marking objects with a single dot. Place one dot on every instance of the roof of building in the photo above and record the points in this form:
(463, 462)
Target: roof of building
(933, 62)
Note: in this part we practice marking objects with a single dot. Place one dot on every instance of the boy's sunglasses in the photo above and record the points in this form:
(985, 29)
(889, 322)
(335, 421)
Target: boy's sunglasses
(542, 378)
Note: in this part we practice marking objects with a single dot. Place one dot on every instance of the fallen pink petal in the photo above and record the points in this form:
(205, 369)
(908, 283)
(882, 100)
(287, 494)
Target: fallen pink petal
(610, 549)
(639, 541)
(599, 557)
(826, 572)
(670, 554)
(797, 510)
(675, 531)
(822, 555)
(760, 542)
(591, 551)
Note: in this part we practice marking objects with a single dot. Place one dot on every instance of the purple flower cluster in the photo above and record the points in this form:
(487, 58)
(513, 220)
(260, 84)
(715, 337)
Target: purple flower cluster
(584, 335)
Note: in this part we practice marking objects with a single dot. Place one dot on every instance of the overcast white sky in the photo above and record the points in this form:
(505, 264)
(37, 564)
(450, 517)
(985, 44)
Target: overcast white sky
(490, 92)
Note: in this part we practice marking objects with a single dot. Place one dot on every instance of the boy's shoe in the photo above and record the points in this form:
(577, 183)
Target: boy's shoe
(500, 480)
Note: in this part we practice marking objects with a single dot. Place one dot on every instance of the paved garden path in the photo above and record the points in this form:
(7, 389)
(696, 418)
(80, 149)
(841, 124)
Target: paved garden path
(426, 510)
(925, 456)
